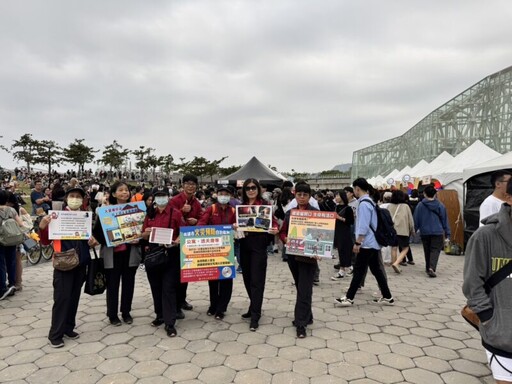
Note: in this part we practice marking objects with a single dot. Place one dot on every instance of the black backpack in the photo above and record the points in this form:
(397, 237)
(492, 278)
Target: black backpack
(385, 234)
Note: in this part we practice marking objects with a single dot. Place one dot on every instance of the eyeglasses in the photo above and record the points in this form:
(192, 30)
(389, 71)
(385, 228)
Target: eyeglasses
(251, 188)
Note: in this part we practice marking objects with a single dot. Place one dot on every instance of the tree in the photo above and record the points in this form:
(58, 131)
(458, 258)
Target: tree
(229, 170)
(167, 163)
(28, 149)
(79, 154)
(114, 155)
(141, 156)
(48, 153)
(200, 166)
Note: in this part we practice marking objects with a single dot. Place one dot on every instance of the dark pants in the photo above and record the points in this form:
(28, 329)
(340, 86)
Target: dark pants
(409, 253)
(164, 282)
(67, 287)
(432, 245)
(182, 294)
(303, 275)
(7, 266)
(220, 295)
(368, 258)
(126, 274)
(253, 257)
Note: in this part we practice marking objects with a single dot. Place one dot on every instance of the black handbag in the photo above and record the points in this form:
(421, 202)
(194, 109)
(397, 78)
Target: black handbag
(155, 257)
(95, 280)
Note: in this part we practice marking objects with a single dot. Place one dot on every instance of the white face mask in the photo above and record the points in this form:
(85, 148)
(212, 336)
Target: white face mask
(223, 199)
(74, 203)
(161, 201)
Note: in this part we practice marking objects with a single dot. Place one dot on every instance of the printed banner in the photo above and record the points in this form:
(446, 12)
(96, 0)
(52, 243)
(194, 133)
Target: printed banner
(122, 223)
(311, 233)
(207, 253)
(254, 218)
(70, 225)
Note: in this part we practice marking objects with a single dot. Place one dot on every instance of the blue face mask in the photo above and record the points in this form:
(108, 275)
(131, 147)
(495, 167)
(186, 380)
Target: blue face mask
(161, 201)
(223, 199)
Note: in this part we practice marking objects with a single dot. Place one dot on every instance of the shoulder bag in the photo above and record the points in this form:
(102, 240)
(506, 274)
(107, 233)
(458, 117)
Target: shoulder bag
(67, 260)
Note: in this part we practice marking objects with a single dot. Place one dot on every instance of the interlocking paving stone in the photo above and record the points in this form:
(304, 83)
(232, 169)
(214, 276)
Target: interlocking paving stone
(422, 339)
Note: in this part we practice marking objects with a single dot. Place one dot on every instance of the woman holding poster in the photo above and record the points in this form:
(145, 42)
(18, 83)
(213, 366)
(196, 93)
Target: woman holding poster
(303, 268)
(217, 214)
(121, 263)
(67, 285)
(253, 255)
(164, 280)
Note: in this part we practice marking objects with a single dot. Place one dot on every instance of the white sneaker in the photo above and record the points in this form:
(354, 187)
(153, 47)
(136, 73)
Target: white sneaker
(338, 276)
(344, 301)
(383, 300)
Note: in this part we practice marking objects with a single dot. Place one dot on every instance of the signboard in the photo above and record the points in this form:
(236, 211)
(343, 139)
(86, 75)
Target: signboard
(207, 253)
(122, 223)
(390, 181)
(254, 218)
(161, 235)
(426, 180)
(406, 178)
(311, 233)
(70, 225)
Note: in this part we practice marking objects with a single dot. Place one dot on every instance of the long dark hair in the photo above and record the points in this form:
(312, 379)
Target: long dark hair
(111, 199)
(343, 196)
(11, 198)
(245, 199)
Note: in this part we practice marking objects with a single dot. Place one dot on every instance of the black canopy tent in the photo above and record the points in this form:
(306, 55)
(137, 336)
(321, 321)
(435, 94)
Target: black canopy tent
(257, 170)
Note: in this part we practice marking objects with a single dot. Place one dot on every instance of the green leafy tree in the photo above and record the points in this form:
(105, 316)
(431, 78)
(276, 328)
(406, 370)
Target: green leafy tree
(167, 163)
(141, 155)
(114, 156)
(25, 149)
(48, 153)
(229, 170)
(79, 154)
(153, 162)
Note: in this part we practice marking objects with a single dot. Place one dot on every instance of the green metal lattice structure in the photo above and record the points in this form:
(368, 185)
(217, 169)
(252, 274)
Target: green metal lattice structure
(482, 112)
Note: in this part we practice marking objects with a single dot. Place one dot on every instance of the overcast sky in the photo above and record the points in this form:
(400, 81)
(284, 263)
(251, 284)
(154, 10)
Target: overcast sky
(300, 84)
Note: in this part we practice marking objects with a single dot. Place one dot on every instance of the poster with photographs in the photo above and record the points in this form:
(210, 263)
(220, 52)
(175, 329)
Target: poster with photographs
(311, 233)
(122, 223)
(254, 218)
(207, 253)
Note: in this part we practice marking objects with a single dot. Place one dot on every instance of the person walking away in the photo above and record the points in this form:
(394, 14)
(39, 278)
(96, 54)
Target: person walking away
(487, 252)
(220, 213)
(404, 227)
(366, 247)
(67, 285)
(431, 220)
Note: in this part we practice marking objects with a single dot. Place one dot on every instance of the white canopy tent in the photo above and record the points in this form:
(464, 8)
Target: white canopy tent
(405, 171)
(418, 168)
(391, 175)
(436, 164)
(501, 162)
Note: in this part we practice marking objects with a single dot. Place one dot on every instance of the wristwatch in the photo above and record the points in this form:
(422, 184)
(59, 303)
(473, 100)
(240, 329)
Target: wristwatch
(356, 243)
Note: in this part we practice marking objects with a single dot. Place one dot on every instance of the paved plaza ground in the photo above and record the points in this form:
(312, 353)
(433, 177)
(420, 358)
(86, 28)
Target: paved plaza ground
(422, 339)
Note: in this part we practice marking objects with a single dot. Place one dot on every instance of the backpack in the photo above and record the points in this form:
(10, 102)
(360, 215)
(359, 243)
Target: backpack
(385, 234)
(10, 232)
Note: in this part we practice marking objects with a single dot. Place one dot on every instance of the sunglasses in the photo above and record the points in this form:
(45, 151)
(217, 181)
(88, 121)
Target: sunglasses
(251, 188)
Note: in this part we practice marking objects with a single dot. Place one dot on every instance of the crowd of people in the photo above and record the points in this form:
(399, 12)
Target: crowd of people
(188, 204)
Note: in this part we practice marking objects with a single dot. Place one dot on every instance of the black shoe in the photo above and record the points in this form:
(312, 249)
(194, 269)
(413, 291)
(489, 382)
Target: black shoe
(157, 322)
(301, 332)
(316, 282)
(431, 273)
(11, 290)
(246, 315)
(8, 292)
(72, 335)
(254, 325)
(171, 331)
(219, 315)
(128, 319)
(186, 306)
(115, 321)
(403, 264)
(210, 312)
(57, 343)
(180, 315)
(410, 262)
(309, 322)
(337, 266)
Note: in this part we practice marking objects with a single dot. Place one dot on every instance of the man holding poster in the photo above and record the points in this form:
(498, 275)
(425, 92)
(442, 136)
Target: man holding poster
(219, 213)
(303, 268)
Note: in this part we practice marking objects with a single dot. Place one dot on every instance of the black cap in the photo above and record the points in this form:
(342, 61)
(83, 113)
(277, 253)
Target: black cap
(225, 188)
(76, 189)
(160, 191)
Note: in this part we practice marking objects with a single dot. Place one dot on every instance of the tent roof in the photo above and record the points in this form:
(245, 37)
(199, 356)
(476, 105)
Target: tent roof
(437, 163)
(257, 170)
(476, 153)
(502, 162)
(391, 175)
(418, 167)
(402, 173)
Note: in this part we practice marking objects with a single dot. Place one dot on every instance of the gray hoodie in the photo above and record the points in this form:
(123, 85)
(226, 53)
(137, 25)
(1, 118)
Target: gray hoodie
(488, 250)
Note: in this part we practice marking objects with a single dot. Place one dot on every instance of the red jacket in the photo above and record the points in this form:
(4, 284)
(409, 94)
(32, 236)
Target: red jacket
(179, 201)
(162, 219)
(218, 215)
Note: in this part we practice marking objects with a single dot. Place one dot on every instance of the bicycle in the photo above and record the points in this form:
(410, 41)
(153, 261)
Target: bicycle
(33, 247)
